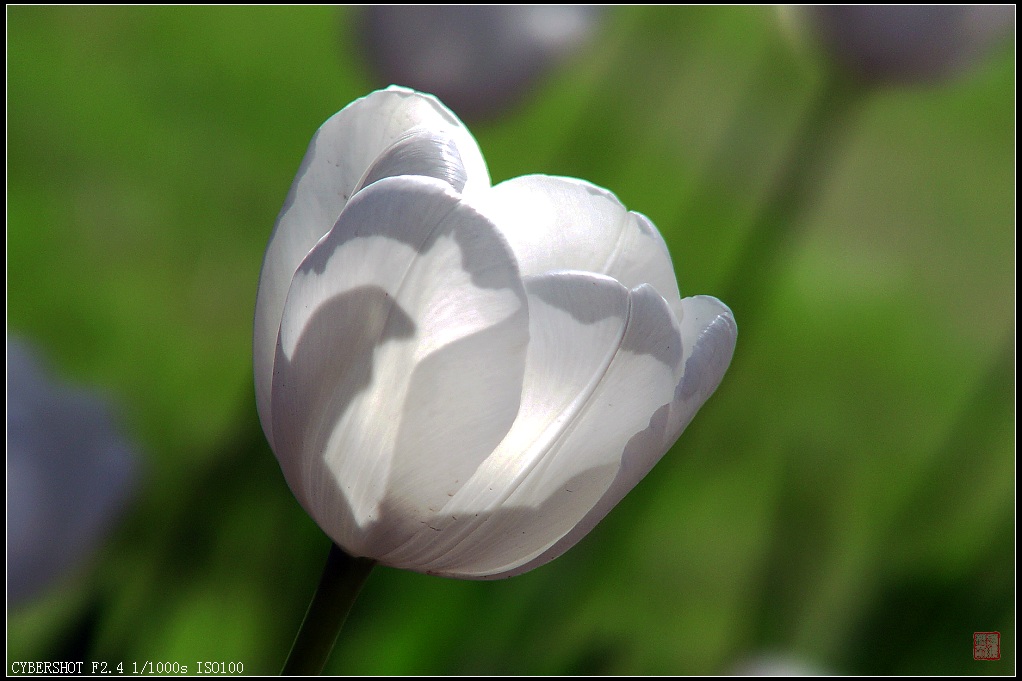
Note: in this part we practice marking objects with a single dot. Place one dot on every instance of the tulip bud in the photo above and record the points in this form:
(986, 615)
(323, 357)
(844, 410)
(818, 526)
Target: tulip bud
(479, 59)
(776, 665)
(69, 472)
(906, 44)
(461, 379)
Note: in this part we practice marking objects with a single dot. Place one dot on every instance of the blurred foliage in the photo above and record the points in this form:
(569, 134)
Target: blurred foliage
(846, 498)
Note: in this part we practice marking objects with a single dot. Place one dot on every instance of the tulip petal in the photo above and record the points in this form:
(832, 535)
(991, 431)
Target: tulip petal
(340, 154)
(708, 334)
(576, 323)
(602, 360)
(420, 152)
(371, 400)
(561, 223)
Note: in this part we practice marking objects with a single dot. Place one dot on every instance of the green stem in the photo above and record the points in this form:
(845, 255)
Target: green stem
(338, 588)
(808, 163)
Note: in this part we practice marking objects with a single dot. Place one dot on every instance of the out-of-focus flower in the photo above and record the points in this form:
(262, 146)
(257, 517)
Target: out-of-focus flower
(480, 60)
(776, 665)
(905, 44)
(69, 472)
(461, 379)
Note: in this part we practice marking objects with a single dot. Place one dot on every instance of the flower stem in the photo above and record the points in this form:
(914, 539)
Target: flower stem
(807, 165)
(338, 588)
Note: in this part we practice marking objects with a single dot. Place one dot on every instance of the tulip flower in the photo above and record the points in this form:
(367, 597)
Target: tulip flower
(904, 45)
(463, 379)
(479, 59)
(70, 474)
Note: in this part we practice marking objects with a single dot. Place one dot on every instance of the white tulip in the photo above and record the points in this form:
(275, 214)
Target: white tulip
(460, 379)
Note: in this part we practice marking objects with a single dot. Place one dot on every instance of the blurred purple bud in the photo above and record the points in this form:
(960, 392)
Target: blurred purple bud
(478, 60)
(69, 473)
(907, 44)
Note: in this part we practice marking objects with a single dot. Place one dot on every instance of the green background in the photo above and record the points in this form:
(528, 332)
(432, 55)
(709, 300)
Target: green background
(846, 498)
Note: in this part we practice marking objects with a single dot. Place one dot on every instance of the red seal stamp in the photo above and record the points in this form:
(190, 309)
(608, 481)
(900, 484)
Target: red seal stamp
(986, 645)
